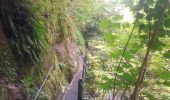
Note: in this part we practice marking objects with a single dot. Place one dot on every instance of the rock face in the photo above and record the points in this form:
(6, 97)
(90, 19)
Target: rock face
(66, 51)
(19, 82)
(11, 91)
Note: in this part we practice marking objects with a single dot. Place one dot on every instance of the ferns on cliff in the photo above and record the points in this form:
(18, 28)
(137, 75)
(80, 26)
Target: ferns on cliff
(25, 33)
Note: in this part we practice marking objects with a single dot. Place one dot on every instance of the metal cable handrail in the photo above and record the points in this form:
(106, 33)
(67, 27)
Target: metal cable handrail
(52, 67)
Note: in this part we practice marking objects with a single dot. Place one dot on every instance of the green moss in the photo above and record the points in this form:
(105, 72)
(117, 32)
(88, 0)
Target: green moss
(24, 31)
(28, 81)
(50, 15)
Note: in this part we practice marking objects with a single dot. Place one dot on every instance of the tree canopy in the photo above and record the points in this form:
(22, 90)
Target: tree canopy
(136, 34)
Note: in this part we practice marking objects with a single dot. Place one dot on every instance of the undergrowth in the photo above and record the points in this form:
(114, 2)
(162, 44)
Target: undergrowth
(30, 28)
(24, 31)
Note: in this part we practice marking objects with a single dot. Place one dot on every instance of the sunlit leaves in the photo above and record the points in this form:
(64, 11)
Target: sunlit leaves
(157, 45)
(107, 83)
(126, 65)
(164, 97)
(108, 24)
(167, 54)
(128, 55)
(115, 54)
(164, 75)
(166, 83)
(134, 49)
(150, 96)
(105, 23)
(128, 2)
(117, 17)
(129, 78)
(110, 37)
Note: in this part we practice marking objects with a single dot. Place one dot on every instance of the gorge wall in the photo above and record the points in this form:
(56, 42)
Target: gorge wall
(51, 38)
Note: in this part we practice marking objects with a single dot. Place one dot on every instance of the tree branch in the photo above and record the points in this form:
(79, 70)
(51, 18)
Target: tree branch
(143, 66)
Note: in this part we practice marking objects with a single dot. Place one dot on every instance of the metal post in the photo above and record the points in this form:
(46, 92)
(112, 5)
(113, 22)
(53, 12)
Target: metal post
(80, 89)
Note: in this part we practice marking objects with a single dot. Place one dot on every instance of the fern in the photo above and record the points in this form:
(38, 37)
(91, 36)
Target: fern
(24, 31)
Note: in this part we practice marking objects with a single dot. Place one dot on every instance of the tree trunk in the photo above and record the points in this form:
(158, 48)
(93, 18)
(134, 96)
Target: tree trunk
(143, 66)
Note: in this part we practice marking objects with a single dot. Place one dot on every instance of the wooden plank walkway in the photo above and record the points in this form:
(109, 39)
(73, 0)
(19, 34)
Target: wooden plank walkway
(72, 91)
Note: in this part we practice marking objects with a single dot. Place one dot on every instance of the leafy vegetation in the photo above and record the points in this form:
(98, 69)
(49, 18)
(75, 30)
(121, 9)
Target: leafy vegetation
(24, 31)
(33, 29)
(127, 45)
(131, 73)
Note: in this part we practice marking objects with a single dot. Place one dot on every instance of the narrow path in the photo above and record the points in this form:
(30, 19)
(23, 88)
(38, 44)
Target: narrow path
(72, 91)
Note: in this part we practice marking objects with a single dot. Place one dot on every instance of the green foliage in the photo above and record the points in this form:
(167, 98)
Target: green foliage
(91, 27)
(25, 33)
(108, 25)
(107, 83)
(164, 97)
(126, 70)
(167, 54)
(28, 82)
(150, 96)
(6, 65)
(28, 40)
(164, 75)
(28, 25)
(85, 10)
(62, 66)
(110, 37)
